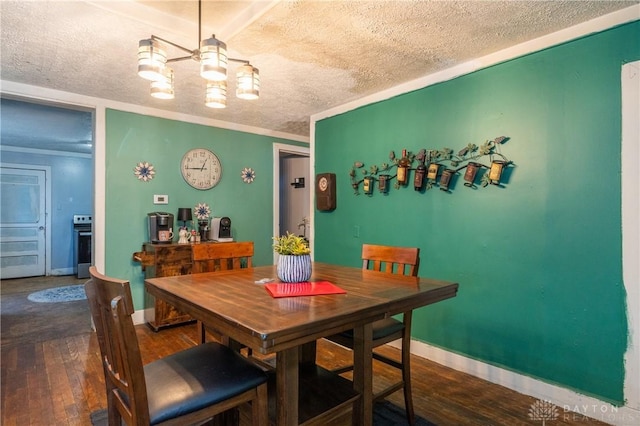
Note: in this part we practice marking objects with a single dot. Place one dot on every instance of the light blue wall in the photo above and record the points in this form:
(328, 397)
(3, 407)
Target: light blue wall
(538, 259)
(71, 193)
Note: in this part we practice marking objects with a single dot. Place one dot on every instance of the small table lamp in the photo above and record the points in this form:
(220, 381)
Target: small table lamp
(184, 214)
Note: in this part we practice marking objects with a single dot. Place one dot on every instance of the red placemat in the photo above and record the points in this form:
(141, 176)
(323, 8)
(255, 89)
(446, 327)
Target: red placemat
(309, 288)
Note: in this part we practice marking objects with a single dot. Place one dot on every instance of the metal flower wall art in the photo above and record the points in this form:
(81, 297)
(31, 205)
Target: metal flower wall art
(435, 169)
(202, 211)
(144, 171)
(248, 175)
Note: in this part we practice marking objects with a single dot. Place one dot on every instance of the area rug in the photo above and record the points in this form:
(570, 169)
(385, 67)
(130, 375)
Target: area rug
(67, 293)
(384, 414)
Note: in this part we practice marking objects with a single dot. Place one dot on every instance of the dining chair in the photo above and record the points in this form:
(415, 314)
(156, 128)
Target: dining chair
(391, 260)
(187, 387)
(219, 257)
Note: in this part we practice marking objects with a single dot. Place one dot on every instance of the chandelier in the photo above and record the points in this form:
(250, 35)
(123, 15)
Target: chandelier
(212, 55)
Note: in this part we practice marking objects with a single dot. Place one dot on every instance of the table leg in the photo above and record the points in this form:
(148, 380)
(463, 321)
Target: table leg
(363, 374)
(287, 387)
(308, 353)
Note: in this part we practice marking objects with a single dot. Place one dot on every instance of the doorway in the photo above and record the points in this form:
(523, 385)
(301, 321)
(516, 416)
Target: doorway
(57, 138)
(291, 199)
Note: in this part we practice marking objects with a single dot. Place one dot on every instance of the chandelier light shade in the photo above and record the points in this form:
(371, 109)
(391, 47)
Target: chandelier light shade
(214, 60)
(216, 94)
(163, 89)
(248, 82)
(152, 59)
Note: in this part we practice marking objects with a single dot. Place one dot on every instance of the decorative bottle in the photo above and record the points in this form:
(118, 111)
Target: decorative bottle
(403, 168)
(418, 177)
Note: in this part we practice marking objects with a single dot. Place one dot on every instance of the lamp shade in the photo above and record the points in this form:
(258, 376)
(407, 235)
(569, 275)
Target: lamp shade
(184, 214)
(163, 89)
(213, 59)
(248, 82)
(152, 59)
(216, 94)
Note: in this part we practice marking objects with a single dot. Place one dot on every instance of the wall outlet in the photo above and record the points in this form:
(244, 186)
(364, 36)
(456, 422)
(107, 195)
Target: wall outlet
(160, 199)
(356, 231)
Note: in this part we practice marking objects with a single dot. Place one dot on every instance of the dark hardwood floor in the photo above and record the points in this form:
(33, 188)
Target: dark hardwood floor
(51, 373)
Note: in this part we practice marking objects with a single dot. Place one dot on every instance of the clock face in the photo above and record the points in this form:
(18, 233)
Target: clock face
(322, 184)
(201, 168)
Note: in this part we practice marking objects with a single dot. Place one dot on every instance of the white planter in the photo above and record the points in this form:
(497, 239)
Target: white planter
(294, 269)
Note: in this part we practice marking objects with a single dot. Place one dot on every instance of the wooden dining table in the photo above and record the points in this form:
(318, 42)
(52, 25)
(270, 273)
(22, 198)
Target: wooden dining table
(236, 304)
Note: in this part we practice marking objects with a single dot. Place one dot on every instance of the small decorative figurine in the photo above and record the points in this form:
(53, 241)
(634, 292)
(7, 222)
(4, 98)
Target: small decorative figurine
(184, 235)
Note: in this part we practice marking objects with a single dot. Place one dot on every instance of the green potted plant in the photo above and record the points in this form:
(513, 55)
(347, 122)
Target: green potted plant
(294, 260)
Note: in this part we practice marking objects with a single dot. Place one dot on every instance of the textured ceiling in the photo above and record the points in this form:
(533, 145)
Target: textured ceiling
(312, 55)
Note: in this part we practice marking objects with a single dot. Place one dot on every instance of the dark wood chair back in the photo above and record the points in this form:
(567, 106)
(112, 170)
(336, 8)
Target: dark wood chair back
(221, 256)
(187, 387)
(111, 308)
(392, 260)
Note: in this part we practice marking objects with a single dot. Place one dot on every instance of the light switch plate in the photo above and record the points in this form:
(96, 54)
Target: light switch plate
(160, 199)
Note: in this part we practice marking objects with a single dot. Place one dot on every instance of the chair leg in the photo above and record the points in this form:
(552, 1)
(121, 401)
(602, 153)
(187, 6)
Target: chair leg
(201, 333)
(260, 407)
(113, 415)
(406, 377)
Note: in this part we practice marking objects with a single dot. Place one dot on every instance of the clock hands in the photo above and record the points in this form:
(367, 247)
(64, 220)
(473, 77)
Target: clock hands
(200, 168)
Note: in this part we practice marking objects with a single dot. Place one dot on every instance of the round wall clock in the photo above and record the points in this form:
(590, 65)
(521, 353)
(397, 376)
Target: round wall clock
(201, 168)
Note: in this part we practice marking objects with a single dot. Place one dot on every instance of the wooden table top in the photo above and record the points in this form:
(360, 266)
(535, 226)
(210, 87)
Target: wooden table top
(242, 308)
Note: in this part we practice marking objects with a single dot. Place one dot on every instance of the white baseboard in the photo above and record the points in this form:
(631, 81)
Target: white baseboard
(570, 403)
(138, 317)
(62, 271)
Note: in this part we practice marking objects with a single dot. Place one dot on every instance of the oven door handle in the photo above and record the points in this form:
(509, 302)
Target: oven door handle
(84, 233)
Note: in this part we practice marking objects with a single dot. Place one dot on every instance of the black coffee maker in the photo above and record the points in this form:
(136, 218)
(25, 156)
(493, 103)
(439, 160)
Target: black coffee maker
(159, 221)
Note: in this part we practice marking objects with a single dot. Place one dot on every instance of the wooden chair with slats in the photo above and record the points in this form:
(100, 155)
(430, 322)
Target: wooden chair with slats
(219, 257)
(187, 387)
(391, 260)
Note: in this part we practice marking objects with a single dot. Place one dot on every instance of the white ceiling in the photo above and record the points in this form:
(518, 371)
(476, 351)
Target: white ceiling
(312, 55)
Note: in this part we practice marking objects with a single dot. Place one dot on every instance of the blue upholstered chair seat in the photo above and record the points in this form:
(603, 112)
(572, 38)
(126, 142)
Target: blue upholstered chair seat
(192, 379)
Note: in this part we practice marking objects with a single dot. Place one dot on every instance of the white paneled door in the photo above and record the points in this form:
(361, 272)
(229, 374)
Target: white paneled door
(22, 222)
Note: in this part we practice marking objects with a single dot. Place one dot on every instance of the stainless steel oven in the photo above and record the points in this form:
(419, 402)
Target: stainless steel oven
(82, 244)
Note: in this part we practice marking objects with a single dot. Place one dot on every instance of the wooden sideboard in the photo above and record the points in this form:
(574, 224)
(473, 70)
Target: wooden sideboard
(167, 260)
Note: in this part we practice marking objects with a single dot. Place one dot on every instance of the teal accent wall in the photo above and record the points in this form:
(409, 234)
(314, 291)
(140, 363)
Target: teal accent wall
(132, 138)
(539, 260)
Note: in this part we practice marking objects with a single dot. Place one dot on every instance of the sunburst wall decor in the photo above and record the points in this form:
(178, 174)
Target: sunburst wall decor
(202, 211)
(248, 175)
(144, 171)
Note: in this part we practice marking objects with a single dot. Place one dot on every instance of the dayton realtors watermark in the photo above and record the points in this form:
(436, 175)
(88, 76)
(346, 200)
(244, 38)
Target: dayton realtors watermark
(545, 411)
